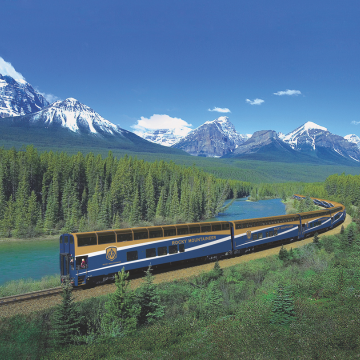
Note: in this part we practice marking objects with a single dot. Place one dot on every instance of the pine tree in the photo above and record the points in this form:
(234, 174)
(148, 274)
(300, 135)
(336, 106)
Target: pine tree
(66, 319)
(283, 311)
(161, 207)
(8, 222)
(149, 300)
(135, 209)
(150, 197)
(350, 235)
(316, 240)
(283, 253)
(121, 308)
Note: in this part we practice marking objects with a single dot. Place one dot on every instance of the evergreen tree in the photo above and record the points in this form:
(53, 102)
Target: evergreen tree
(350, 235)
(150, 197)
(161, 205)
(342, 230)
(149, 300)
(135, 209)
(283, 311)
(283, 253)
(316, 240)
(174, 204)
(121, 309)
(66, 319)
(8, 221)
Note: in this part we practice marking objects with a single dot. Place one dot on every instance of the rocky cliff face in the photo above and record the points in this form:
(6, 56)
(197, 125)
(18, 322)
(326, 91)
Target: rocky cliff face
(18, 97)
(212, 139)
(259, 140)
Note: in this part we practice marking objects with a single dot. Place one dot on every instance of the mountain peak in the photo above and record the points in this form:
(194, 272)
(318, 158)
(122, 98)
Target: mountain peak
(309, 125)
(18, 97)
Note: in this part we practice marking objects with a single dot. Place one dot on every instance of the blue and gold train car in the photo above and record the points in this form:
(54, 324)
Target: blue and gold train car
(94, 257)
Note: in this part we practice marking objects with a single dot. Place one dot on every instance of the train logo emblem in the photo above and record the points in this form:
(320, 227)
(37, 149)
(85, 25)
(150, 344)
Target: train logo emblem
(248, 234)
(111, 253)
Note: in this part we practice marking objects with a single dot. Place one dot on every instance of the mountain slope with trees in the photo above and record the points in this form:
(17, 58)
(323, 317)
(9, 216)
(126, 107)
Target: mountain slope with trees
(48, 192)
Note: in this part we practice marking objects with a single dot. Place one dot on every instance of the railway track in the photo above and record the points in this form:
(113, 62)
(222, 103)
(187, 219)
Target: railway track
(30, 296)
(44, 299)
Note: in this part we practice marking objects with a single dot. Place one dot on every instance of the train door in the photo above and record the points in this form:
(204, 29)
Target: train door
(66, 260)
(232, 236)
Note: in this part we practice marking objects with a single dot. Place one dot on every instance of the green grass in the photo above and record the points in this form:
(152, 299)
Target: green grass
(22, 286)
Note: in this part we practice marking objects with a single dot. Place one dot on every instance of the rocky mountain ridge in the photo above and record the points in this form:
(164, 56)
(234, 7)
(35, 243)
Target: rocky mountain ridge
(18, 97)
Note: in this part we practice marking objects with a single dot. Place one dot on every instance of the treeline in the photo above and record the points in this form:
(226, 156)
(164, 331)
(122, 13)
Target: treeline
(54, 191)
(344, 189)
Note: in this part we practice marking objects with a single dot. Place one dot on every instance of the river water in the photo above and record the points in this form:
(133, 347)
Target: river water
(31, 259)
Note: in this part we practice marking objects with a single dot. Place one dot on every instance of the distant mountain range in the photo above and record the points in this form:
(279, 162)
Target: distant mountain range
(27, 117)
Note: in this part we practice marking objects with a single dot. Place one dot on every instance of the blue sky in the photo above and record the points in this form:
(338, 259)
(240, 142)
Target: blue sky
(137, 60)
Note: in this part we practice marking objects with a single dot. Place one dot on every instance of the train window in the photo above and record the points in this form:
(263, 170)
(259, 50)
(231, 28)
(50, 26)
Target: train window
(216, 227)
(206, 228)
(170, 232)
(87, 240)
(173, 249)
(106, 239)
(255, 236)
(124, 236)
(182, 230)
(260, 235)
(131, 255)
(181, 248)
(156, 233)
(237, 226)
(139, 235)
(194, 229)
(162, 250)
(225, 226)
(271, 233)
(66, 239)
(71, 239)
(267, 234)
(275, 232)
(150, 252)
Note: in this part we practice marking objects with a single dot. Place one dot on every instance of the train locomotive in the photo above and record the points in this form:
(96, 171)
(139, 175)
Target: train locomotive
(95, 257)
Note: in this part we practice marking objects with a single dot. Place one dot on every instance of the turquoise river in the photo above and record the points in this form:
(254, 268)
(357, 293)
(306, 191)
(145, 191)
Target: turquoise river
(32, 259)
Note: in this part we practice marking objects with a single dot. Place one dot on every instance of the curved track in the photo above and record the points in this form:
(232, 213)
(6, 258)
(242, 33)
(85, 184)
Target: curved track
(41, 300)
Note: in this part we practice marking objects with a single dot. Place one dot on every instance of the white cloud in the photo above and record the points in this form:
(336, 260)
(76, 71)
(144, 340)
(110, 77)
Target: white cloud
(221, 110)
(255, 101)
(7, 69)
(288, 92)
(164, 121)
(49, 97)
(355, 122)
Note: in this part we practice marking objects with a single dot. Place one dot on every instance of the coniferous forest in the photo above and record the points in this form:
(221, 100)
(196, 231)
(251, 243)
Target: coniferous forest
(51, 192)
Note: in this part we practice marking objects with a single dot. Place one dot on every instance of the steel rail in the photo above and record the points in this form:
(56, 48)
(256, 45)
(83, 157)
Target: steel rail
(31, 295)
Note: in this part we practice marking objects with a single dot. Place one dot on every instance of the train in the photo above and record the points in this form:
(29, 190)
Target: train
(95, 257)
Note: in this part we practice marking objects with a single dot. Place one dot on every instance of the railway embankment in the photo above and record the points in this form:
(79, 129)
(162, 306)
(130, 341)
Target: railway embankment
(31, 305)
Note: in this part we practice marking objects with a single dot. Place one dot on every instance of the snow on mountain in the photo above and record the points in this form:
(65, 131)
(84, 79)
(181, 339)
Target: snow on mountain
(165, 137)
(18, 97)
(75, 116)
(304, 135)
(212, 139)
(353, 139)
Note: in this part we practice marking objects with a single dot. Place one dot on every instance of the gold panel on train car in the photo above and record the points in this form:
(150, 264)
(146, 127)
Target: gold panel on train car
(111, 253)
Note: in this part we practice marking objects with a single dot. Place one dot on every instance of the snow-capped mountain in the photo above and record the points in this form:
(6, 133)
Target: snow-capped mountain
(75, 116)
(18, 97)
(212, 139)
(353, 139)
(165, 137)
(305, 136)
